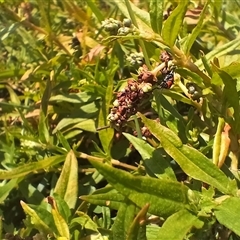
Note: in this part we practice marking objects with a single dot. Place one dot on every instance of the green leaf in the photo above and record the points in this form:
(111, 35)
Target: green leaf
(192, 162)
(60, 224)
(220, 51)
(28, 168)
(82, 97)
(5, 32)
(152, 232)
(227, 213)
(40, 218)
(232, 69)
(193, 77)
(106, 134)
(178, 225)
(45, 17)
(125, 216)
(63, 141)
(111, 199)
(168, 113)
(97, 12)
(73, 123)
(62, 207)
(156, 15)
(8, 187)
(85, 221)
(67, 184)
(177, 96)
(230, 95)
(43, 128)
(13, 96)
(153, 159)
(11, 73)
(174, 22)
(143, 19)
(191, 38)
(164, 196)
(137, 230)
(218, 7)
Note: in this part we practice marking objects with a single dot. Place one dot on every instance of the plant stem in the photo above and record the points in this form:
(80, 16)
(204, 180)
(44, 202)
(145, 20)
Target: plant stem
(113, 161)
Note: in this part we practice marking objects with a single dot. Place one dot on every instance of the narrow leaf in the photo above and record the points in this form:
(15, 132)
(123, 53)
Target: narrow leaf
(164, 196)
(174, 22)
(192, 162)
(111, 199)
(67, 184)
(85, 221)
(73, 123)
(142, 16)
(193, 77)
(137, 229)
(152, 158)
(61, 224)
(97, 12)
(8, 187)
(231, 96)
(125, 216)
(63, 141)
(39, 222)
(106, 135)
(81, 97)
(43, 128)
(28, 168)
(156, 15)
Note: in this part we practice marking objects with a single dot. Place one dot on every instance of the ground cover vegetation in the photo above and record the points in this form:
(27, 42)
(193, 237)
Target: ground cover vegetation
(119, 119)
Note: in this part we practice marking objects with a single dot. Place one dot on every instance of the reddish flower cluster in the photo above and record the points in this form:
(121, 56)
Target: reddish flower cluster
(127, 101)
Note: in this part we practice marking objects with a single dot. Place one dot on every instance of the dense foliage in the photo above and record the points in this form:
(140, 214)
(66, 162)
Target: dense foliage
(119, 119)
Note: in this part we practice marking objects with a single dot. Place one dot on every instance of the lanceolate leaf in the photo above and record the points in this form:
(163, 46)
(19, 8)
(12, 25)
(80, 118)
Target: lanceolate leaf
(61, 224)
(137, 230)
(67, 184)
(125, 216)
(25, 169)
(76, 123)
(111, 199)
(152, 158)
(156, 15)
(231, 95)
(106, 135)
(192, 162)
(40, 217)
(227, 213)
(164, 196)
(174, 22)
(178, 225)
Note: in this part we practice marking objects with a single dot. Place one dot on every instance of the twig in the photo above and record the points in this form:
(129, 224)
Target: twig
(113, 161)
